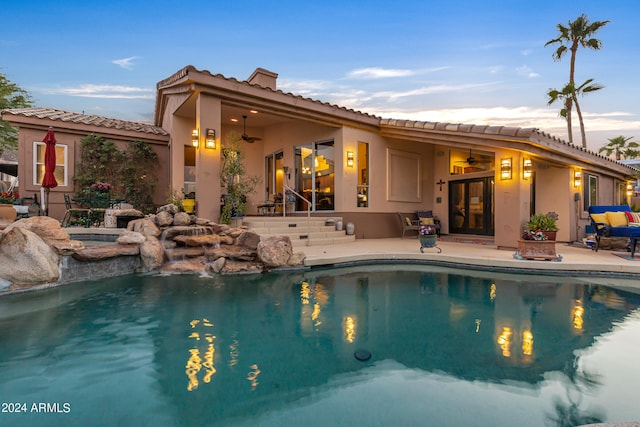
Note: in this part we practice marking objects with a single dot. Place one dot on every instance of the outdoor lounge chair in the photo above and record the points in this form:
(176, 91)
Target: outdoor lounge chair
(72, 213)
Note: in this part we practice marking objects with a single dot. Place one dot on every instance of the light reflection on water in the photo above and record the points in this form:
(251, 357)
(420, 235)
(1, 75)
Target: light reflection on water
(278, 349)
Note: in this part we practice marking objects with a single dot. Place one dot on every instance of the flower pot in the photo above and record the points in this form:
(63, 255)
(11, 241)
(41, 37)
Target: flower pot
(189, 205)
(428, 241)
(7, 213)
(551, 235)
(290, 207)
(537, 249)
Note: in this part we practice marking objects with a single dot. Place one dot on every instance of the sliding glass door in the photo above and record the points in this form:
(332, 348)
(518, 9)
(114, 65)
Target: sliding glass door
(315, 175)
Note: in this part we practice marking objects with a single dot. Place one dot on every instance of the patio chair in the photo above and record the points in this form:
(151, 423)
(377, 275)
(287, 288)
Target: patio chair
(72, 213)
(28, 206)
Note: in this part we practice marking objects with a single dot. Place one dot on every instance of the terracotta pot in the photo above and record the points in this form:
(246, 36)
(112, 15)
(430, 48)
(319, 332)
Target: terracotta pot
(537, 249)
(7, 213)
(551, 235)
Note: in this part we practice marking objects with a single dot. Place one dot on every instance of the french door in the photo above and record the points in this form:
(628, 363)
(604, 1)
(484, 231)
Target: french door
(471, 206)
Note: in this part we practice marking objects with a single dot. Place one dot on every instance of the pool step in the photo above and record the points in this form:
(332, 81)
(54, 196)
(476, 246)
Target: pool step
(302, 231)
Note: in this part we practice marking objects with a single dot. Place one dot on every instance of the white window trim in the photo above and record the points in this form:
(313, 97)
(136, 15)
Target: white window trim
(64, 164)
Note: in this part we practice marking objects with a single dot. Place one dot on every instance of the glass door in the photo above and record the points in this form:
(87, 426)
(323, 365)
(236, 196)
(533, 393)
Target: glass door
(274, 178)
(315, 175)
(471, 206)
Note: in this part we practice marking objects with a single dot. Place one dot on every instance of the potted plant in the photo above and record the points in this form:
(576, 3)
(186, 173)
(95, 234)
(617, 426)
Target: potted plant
(428, 235)
(235, 180)
(534, 244)
(546, 223)
(7, 211)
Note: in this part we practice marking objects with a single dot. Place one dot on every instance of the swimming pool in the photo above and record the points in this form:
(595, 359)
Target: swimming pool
(449, 348)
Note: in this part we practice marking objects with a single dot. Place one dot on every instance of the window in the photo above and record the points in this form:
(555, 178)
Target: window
(189, 170)
(363, 174)
(274, 175)
(38, 163)
(589, 191)
(621, 193)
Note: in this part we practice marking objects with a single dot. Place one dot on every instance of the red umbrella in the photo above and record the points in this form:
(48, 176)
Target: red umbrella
(49, 181)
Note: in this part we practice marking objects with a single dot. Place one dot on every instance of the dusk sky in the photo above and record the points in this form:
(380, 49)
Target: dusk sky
(448, 61)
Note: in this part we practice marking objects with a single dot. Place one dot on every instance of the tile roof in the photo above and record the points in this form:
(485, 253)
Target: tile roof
(506, 131)
(86, 119)
(183, 73)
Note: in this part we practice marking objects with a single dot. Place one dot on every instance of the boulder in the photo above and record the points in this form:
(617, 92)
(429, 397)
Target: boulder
(171, 232)
(164, 219)
(248, 239)
(145, 226)
(130, 238)
(49, 230)
(275, 251)
(182, 252)
(181, 219)
(151, 254)
(25, 258)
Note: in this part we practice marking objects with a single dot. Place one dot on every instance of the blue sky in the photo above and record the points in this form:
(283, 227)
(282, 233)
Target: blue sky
(481, 62)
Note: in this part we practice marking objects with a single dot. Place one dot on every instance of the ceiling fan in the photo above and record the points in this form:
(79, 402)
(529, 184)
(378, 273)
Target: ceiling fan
(471, 160)
(245, 137)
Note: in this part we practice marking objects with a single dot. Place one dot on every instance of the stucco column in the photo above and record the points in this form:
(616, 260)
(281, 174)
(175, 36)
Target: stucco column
(180, 137)
(208, 161)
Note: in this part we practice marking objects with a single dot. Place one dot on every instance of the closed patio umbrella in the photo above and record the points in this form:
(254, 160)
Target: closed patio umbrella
(49, 180)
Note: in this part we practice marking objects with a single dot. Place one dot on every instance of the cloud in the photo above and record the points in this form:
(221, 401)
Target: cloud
(527, 72)
(526, 52)
(104, 91)
(379, 73)
(126, 63)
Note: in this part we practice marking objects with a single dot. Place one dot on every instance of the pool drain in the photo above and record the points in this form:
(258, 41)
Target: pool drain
(362, 355)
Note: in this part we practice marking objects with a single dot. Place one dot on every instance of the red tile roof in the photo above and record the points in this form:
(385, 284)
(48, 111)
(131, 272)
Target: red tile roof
(86, 119)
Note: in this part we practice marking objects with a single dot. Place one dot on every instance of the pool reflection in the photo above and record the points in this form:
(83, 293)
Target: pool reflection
(229, 347)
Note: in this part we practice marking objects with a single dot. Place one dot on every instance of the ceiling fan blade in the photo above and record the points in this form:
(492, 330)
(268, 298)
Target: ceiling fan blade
(246, 137)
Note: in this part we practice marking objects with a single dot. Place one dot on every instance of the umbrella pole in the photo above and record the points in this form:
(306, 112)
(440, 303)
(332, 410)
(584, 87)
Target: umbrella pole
(46, 201)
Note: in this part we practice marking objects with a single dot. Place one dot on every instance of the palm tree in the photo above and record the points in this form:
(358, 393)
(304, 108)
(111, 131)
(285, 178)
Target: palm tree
(587, 87)
(577, 33)
(621, 146)
(564, 96)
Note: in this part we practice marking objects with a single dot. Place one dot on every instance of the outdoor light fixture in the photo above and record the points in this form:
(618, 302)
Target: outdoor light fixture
(505, 168)
(350, 161)
(210, 139)
(195, 137)
(577, 178)
(527, 168)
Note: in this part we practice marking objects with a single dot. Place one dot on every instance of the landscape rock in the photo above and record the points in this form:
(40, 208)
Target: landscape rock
(297, 259)
(130, 238)
(164, 219)
(145, 226)
(217, 265)
(191, 265)
(239, 267)
(206, 240)
(232, 253)
(181, 218)
(25, 258)
(170, 208)
(275, 251)
(49, 230)
(152, 254)
(96, 253)
(248, 239)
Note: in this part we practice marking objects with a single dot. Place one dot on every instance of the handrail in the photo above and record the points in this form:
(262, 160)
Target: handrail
(288, 189)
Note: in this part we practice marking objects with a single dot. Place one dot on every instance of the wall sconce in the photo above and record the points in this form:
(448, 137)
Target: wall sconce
(350, 161)
(527, 168)
(577, 178)
(505, 168)
(629, 189)
(210, 139)
(195, 138)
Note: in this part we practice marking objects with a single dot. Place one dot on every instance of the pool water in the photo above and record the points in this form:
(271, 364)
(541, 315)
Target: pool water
(448, 348)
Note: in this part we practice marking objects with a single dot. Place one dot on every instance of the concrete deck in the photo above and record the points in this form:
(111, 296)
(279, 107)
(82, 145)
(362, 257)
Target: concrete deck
(576, 260)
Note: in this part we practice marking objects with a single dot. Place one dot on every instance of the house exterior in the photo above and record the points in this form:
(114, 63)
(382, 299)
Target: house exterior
(480, 180)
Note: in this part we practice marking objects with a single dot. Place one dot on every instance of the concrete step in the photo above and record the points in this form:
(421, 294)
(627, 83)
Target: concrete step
(302, 231)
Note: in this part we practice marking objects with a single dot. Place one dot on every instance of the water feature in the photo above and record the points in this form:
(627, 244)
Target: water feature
(278, 349)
